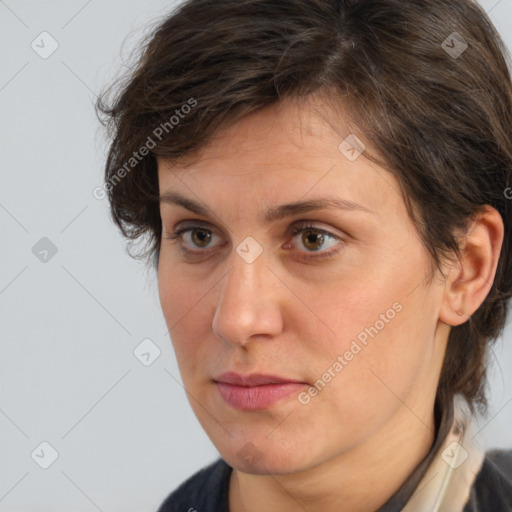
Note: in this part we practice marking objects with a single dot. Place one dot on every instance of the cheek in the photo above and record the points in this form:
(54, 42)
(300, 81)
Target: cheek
(380, 341)
(184, 307)
(361, 385)
(180, 296)
(384, 364)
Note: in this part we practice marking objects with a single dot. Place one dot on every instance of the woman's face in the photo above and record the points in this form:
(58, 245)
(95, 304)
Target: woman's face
(341, 306)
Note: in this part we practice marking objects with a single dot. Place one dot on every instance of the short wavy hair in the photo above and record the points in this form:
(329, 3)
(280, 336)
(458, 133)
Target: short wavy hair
(426, 81)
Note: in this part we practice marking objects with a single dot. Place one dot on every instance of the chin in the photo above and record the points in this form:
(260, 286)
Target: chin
(256, 459)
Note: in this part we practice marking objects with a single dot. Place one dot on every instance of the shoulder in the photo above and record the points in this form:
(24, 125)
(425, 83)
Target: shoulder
(204, 491)
(492, 488)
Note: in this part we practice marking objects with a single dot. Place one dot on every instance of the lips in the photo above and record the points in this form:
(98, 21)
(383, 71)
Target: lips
(255, 391)
(252, 380)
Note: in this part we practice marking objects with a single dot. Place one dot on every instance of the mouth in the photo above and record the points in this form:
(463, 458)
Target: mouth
(255, 391)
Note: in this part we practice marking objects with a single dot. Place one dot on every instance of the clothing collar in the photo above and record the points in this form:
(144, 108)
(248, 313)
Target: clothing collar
(446, 484)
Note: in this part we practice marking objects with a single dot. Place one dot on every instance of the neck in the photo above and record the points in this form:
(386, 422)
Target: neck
(361, 480)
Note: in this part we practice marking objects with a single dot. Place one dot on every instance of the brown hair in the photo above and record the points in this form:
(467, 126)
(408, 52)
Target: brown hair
(438, 113)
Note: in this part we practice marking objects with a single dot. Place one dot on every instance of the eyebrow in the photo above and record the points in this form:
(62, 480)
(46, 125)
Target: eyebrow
(274, 213)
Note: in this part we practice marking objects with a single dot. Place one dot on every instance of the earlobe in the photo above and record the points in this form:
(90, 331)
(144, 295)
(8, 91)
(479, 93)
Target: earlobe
(460, 312)
(453, 309)
(470, 279)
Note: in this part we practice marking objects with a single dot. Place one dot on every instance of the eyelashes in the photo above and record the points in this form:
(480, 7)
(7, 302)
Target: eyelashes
(311, 235)
(322, 235)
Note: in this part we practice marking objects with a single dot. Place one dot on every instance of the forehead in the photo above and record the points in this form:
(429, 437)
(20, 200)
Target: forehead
(283, 153)
(283, 129)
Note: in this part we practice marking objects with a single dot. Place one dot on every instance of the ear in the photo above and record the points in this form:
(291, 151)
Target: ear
(470, 279)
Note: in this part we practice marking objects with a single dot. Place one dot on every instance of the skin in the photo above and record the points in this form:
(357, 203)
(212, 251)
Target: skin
(355, 442)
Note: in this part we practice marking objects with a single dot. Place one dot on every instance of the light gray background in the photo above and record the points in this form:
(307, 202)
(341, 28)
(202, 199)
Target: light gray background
(124, 432)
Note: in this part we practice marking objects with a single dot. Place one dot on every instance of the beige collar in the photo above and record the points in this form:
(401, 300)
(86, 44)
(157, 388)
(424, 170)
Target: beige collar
(446, 485)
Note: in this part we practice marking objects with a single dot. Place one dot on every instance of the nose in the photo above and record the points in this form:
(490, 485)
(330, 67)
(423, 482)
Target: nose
(249, 304)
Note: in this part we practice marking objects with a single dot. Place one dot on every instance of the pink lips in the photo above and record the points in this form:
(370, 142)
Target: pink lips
(256, 391)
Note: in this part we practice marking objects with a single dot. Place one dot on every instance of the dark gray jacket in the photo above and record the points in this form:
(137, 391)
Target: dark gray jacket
(207, 490)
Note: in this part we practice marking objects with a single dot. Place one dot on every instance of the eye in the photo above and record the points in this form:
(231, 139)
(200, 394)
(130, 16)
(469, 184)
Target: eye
(314, 239)
(196, 240)
(194, 236)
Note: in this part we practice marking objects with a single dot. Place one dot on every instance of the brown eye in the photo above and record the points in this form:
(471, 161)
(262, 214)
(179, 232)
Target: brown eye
(313, 240)
(200, 237)
(194, 240)
(315, 243)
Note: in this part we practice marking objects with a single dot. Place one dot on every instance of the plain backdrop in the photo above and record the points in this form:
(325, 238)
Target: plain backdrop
(114, 433)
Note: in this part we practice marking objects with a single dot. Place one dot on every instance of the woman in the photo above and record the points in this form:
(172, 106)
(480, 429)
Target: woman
(322, 186)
